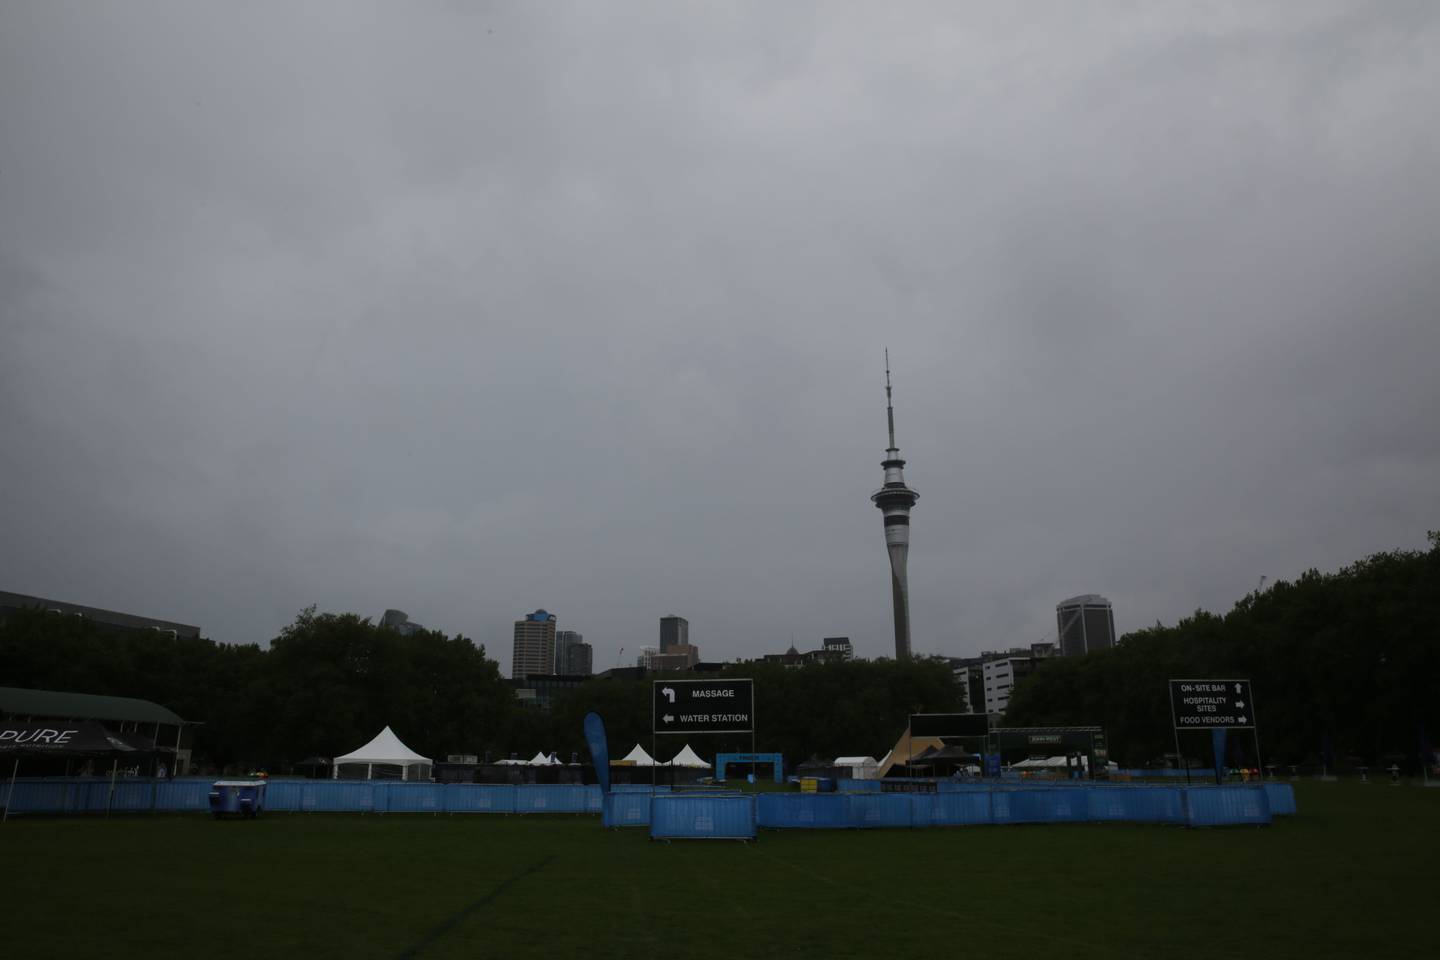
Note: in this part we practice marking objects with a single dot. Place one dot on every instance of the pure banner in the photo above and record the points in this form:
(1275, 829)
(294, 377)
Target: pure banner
(599, 749)
(83, 738)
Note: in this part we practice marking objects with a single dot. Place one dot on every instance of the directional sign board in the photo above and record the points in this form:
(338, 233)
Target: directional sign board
(704, 706)
(1211, 704)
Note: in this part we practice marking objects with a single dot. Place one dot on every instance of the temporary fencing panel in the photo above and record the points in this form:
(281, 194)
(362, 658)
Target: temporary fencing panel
(806, 811)
(848, 785)
(1135, 804)
(551, 798)
(638, 788)
(415, 798)
(626, 809)
(327, 796)
(690, 816)
(1223, 806)
(182, 795)
(951, 808)
(880, 809)
(480, 798)
(1282, 799)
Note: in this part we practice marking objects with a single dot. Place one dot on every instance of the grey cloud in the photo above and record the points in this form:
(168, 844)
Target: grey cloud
(473, 309)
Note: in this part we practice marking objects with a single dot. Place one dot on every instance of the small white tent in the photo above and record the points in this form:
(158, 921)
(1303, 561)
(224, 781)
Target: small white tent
(384, 758)
(636, 758)
(688, 758)
(861, 768)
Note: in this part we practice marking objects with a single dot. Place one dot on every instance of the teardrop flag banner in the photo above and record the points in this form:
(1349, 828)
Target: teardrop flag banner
(599, 749)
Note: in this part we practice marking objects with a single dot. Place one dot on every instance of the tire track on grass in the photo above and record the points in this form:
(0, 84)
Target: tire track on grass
(455, 919)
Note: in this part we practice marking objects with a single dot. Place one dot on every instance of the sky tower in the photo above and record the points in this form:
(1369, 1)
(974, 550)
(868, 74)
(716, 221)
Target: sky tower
(895, 500)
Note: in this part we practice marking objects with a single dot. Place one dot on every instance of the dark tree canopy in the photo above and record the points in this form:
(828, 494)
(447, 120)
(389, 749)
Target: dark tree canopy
(1347, 662)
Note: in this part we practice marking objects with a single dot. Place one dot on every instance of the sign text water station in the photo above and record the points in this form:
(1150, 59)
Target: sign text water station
(703, 706)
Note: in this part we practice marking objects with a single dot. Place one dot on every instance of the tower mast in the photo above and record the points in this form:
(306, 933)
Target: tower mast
(894, 500)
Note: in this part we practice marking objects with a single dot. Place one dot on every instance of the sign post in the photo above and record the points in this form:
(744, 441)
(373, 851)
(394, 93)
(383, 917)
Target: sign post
(703, 706)
(1213, 705)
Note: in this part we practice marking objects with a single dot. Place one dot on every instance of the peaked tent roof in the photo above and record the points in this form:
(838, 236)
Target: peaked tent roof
(385, 748)
(906, 749)
(688, 758)
(638, 757)
(855, 761)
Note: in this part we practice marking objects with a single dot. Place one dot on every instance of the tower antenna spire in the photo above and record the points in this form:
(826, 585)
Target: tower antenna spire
(889, 406)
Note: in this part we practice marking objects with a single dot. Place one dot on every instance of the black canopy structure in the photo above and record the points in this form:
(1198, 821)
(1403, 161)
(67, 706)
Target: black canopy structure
(945, 759)
(85, 738)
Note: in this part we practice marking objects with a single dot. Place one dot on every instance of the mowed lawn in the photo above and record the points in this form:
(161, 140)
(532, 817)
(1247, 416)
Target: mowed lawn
(1354, 875)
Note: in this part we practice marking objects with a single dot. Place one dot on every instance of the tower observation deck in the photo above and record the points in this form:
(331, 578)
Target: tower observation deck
(895, 500)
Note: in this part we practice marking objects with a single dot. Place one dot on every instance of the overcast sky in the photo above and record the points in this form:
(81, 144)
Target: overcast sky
(470, 309)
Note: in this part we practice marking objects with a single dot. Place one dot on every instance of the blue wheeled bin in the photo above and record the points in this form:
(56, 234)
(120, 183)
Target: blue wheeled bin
(240, 798)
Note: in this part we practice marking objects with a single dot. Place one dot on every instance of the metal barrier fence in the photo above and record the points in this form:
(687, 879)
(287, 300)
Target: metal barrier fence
(955, 803)
(691, 816)
(84, 795)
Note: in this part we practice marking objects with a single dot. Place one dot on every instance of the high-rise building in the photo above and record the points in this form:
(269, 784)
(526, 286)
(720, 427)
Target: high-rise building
(837, 648)
(895, 500)
(399, 621)
(580, 660)
(534, 650)
(564, 640)
(674, 631)
(1086, 624)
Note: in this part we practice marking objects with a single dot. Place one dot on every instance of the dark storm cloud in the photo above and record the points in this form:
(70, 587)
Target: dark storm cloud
(472, 309)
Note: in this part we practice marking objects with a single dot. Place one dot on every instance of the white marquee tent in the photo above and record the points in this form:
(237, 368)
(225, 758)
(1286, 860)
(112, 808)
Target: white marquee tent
(384, 758)
(541, 760)
(688, 758)
(636, 758)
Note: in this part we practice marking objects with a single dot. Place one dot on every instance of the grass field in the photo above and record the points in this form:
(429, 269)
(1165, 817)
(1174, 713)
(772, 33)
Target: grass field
(1354, 875)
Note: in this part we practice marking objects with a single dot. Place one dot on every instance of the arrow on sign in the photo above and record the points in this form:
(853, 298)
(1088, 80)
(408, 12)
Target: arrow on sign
(668, 693)
(1237, 688)
(1242, 719)
(1240, 704)
(669, 719)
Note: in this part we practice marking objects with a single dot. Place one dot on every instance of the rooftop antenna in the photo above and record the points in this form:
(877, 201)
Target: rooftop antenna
(889, 406)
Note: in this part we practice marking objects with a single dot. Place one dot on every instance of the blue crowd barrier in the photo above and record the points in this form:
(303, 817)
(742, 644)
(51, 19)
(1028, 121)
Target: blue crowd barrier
(552, 798)
(803, 811)
(692, 816)
(182, 795)
(1044, 805)
(415, 797)
(1135, 804)
(638, 788)
(327, 796)
(880, 809)
(1282, 799)
(480, 797)
(955, 803)
(847, 785)
(953, 808)
(627, 809)
(1226, 806)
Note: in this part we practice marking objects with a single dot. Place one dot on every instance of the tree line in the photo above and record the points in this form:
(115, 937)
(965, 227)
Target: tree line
(1345, 669)
(329, 682)
(1344, 665)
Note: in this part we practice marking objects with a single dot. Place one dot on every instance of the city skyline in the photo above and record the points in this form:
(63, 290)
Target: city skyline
(1158, 287)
